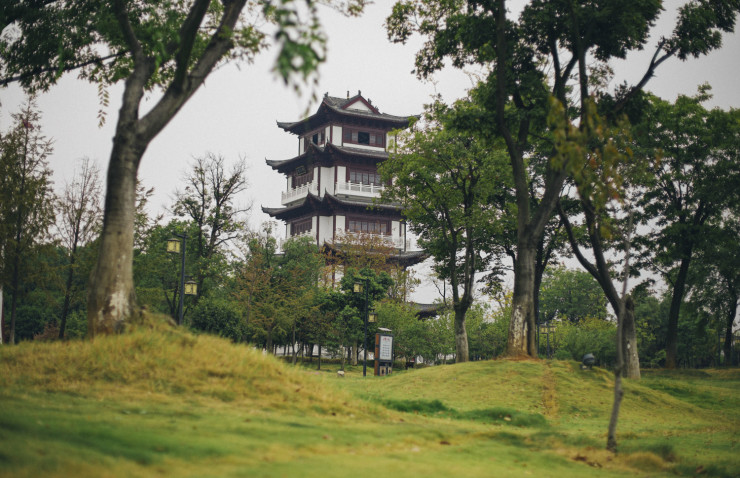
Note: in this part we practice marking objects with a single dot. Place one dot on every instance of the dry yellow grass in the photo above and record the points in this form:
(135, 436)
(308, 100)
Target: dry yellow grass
(155, 361)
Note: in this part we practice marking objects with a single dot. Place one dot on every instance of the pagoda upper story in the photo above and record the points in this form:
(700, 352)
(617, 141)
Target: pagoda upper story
(339, 148)
(332, 182)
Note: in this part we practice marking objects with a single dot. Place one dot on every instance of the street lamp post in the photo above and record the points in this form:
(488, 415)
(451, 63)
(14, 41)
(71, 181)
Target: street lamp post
(358, 288)
(174, 246)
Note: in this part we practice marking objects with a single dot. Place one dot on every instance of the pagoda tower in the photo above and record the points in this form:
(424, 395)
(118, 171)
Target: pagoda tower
(333, 186)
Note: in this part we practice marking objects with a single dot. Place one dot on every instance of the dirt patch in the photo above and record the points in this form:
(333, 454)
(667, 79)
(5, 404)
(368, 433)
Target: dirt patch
(549, 393)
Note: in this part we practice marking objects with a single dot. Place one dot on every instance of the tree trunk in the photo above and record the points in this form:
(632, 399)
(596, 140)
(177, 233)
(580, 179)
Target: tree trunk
(461, 335)
(111, 296)
(11, 337)
(67, 295)
(319, 367)
(521, 339)
(354, 352)
(731, 313)
(679, 287)
(268, 344)
(629, 341)
(611, 438)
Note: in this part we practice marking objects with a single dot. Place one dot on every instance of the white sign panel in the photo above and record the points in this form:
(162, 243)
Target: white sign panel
(386, 348)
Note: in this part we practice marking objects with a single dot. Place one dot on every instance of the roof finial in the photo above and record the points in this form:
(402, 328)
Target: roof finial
(347, 94)
(359, 93)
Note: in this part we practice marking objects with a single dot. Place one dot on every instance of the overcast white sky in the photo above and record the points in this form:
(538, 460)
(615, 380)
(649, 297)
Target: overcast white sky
(235, 112)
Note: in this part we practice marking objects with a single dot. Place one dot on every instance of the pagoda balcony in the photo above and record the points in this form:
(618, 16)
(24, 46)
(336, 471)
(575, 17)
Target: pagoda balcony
(358, 189)
(390, 241)
(300, 192)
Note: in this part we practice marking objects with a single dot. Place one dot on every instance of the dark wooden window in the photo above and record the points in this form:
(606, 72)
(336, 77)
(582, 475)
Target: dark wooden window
(369, 226)
(370, 138)
(300, 227)
(364, 177)
(302, 179)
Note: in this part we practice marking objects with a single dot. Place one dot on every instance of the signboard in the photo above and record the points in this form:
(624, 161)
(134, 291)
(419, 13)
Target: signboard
(386, 348)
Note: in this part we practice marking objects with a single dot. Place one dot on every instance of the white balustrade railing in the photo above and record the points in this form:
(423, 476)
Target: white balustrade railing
(299, 192)
(367, 190)
(391, 241)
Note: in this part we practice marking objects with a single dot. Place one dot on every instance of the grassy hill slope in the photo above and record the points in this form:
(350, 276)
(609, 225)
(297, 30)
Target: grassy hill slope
(162, 402)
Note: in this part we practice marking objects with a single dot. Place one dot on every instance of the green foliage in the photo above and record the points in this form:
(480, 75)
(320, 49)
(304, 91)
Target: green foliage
(572, 295)
(220, 317)
(48, 39)
(279, 292)
(487, 331)
(157, 272)
(446, 177)
(531, 62)
(696, 177)
(26, 206)
(441, 338)
(694, 188)
(590, 335)
(411, 335)
(209, 202)
(651, 317)
(502, 416)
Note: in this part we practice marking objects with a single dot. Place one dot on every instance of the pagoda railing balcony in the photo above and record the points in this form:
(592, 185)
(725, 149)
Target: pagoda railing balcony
(391, 241)
(359, 189)
(300, 192)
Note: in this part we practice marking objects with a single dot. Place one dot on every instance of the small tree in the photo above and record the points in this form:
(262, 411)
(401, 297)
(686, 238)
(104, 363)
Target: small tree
(209, 200)
(78, 222)
(26, 200)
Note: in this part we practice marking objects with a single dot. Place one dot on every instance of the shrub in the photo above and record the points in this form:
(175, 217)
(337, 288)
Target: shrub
(220, 317)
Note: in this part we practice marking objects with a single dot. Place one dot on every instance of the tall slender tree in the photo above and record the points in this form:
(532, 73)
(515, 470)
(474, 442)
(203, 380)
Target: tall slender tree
(445, 179)
(210, 201)
(26, 201)
(78, 222)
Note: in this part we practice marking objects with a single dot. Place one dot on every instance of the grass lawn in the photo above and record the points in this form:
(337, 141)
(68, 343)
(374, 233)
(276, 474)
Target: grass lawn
(162, 402)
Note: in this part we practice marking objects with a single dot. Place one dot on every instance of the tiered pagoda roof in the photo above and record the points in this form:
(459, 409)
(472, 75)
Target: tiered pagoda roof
(325, 156)
(333, 109)
(326, 205)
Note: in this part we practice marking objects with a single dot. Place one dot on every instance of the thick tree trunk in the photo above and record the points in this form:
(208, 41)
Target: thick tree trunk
(521, 340)
(629, 341)
(679, 287)
(461, 336)
(111, 295)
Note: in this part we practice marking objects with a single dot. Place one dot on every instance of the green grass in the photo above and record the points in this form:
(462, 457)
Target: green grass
(162, 402)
